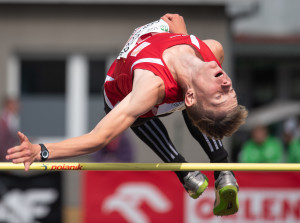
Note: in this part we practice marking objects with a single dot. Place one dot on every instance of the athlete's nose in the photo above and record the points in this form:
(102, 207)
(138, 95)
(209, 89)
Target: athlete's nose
(226, 84)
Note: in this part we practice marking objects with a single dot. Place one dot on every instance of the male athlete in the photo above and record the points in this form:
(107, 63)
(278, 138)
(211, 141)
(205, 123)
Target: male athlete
(157, 73)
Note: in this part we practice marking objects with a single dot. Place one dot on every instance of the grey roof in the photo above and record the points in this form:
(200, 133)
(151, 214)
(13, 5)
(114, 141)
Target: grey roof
(162, 2)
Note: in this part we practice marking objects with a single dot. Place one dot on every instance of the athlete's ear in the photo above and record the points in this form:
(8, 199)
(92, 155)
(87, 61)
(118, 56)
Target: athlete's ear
(189, 97)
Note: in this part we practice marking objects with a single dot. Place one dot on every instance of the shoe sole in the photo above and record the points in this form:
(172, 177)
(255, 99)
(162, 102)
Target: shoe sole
(229, 203)
(200, 190)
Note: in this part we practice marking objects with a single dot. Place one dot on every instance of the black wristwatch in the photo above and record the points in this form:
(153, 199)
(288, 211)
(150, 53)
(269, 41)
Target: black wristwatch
(44, 153)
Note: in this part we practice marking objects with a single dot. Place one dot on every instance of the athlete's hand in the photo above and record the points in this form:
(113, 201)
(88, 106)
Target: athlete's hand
(176, 23)
(25, 153)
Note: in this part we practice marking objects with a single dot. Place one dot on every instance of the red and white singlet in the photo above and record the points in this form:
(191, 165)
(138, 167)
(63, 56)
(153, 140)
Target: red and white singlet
(147, 54)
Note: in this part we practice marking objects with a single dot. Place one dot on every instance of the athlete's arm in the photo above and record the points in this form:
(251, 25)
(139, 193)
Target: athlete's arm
(217, 49)
(148, 90)
(177, 25)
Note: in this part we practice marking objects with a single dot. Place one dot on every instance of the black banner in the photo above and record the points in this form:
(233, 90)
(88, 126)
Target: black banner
(28, 198)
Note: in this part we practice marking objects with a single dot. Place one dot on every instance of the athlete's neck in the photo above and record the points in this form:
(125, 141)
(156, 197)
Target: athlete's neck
(182, 61)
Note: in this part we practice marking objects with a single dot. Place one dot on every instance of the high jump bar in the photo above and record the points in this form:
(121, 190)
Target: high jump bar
(64, 166)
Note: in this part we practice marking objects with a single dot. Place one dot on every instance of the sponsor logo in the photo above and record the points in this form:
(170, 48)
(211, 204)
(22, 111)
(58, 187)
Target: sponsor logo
(45, 166)
(66, 167)
(256, 205)
(170, 108)
(138, 197)
(129, 199)
(177, 35)
(164, 28)
(153, 27)
(26, 206)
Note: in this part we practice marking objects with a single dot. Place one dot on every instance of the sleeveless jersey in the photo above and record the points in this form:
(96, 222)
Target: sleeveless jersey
(147, 55)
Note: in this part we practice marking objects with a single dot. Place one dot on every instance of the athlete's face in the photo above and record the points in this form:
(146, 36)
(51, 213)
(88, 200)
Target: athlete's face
(214, 88)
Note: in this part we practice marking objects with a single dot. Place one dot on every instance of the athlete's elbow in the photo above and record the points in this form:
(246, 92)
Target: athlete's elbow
(96, 142)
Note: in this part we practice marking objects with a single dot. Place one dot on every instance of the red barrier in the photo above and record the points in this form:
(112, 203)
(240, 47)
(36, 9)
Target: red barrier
(159, 197)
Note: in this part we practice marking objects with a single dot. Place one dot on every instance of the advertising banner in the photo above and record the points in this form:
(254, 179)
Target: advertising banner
(142, 197)
(27, 198)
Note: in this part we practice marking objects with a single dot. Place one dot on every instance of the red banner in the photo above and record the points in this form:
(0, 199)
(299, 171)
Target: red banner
(139, 197)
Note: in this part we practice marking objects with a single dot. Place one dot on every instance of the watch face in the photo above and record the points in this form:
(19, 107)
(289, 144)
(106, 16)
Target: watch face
(45, 154)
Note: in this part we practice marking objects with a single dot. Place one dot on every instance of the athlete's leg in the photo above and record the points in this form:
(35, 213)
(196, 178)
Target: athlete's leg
(155, 135)
(213, 148)
(226, 187)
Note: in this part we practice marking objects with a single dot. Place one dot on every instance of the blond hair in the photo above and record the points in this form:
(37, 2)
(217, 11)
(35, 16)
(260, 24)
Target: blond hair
(217, 124)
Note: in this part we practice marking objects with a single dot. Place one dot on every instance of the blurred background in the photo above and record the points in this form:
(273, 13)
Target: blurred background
(54, 55)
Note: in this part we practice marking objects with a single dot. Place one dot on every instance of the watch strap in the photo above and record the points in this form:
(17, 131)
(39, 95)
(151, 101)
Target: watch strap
(44, 150)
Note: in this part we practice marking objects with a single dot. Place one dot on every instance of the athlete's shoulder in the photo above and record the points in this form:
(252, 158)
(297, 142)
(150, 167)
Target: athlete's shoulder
(214, 45)
(216, 48)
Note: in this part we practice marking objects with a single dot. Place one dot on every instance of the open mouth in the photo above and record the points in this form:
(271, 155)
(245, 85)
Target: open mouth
(218, 74)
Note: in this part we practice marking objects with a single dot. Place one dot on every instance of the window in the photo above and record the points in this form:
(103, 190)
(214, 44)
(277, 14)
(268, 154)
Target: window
(263, 77)
(43, 84)
(97, 73)
(43, 77)
(96, 76)
(295, 83)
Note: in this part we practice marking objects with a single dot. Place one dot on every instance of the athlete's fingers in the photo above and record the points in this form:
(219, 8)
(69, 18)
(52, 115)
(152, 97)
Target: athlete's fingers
(13, 155)
(165, 18)
(22, 137)
(20, 159)
(22, 150)
(27, 165)
(170, 16)
(21, 147)
(176, 23)
(15, 149)
(18, 154)
(26, 157)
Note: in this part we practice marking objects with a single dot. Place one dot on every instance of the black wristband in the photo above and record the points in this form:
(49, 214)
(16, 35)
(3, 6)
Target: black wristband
(44, 153)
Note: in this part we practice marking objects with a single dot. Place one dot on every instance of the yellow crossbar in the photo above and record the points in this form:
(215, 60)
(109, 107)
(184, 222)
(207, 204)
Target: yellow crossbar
(154, 166)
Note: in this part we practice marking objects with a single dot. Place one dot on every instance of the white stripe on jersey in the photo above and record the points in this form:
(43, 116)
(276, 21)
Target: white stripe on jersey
(147, 60)
(109, 78)
(195, 41)
(108, 101)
